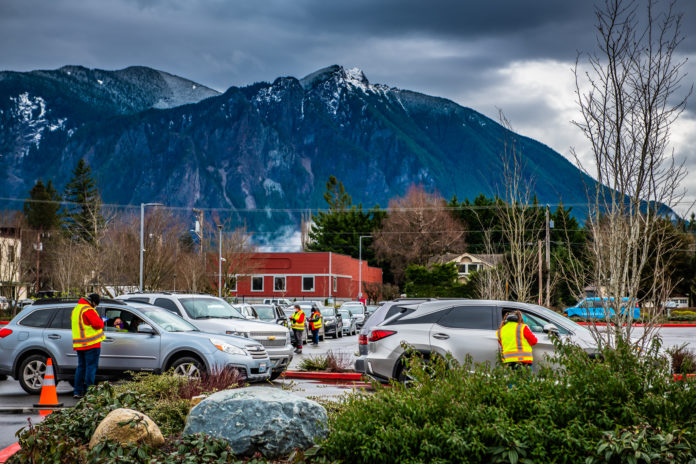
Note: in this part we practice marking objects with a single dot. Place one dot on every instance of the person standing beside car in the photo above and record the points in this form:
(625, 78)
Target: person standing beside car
(516, 341)
(87, 334)
(315, 325)
(297, 321)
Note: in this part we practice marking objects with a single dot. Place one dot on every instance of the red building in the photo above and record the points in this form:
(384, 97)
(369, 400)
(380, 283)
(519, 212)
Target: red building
(315, 275)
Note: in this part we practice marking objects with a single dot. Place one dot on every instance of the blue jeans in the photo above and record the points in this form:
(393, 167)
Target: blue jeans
(87, 362)
(315, 336)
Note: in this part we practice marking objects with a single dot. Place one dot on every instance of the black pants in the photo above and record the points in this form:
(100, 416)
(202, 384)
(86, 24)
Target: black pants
(298, 338)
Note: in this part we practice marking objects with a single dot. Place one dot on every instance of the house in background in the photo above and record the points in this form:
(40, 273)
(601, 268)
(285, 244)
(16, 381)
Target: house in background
(10, 264)
(467, 262)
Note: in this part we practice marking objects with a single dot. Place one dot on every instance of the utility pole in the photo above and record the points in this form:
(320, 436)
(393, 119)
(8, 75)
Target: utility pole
(548, 260)
(220, 261)
(360, 268)
(540, 276)
(199, 229)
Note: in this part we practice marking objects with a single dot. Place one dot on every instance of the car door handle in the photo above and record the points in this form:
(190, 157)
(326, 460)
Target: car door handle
(441, 336)
(108, 340)
(54, 337)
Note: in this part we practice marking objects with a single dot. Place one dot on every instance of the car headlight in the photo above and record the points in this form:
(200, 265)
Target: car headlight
(238, 333)
(330, 319)
(226, 347)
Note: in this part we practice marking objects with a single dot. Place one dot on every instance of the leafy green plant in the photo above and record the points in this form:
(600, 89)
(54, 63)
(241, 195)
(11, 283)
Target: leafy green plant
(473, 413)
(683, 359)
(314, 363)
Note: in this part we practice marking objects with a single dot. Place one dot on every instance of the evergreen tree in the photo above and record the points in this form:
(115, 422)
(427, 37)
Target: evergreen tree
(42, 207)
(83, 219)
(339, 229)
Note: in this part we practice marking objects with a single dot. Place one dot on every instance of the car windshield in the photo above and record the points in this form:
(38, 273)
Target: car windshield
(557, 317)
(168, 320)
(354, 309)
(345, 314)
(326, 311)
(208, 308)
(265, 312)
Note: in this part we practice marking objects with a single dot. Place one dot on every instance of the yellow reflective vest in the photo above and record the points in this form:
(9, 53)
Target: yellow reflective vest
(297, 320)
(84, 335)
(315, 321)
(516, 348)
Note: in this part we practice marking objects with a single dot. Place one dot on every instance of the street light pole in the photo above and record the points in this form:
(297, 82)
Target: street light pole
(220, 262)
(142, 232)
(360, 268)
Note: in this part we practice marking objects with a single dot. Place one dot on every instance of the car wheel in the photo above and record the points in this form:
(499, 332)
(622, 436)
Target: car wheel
(188, 367)
(275, 375)
(3, 377)
(31, 373)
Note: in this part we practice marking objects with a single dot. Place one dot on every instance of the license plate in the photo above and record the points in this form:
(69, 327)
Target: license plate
(262, 367)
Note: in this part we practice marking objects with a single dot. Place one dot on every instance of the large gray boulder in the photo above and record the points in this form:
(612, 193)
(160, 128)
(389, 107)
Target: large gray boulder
(264, 419)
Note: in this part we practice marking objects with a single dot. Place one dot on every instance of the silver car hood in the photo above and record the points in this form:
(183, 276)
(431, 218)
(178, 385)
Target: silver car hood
(240, 342)
(239, 325)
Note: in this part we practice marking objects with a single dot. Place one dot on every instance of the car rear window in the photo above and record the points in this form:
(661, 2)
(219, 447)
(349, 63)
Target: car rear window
(168, 305)
(469, 317)
(62, 319)
(38, 318)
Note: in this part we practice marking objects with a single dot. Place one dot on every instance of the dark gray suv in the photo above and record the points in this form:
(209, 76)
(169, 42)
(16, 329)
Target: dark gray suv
(151, 340)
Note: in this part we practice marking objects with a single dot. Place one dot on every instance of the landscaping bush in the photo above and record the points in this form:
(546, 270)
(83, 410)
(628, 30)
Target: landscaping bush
(329, 362)
(683, 360)
(63, 436)
(586, 411)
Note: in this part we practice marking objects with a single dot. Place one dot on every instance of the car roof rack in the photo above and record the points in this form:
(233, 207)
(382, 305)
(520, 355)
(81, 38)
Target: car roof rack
(47, 301)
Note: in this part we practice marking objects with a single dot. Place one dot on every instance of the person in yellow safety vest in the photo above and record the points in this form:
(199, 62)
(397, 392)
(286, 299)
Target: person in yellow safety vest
(87, 334)
(315, 325)
(297, 324)
(516, 341)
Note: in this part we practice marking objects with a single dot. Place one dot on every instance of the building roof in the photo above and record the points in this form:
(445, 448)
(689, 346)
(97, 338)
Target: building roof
(490, 259)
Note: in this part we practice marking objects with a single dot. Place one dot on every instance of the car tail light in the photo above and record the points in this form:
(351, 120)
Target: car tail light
(5, 332)
(380, 334)
(362, 339)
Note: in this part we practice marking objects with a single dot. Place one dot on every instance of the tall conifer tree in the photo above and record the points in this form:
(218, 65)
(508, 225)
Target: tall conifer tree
(83, 219)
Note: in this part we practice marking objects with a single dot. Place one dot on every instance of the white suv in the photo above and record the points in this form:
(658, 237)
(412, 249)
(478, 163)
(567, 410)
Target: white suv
(215, 315)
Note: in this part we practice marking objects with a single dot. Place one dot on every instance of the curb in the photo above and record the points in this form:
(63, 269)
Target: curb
(352, 376)
(669, 324)
(4, 322)
(8, 452)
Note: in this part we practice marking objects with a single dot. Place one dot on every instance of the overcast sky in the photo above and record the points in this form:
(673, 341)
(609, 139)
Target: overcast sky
(509, 54)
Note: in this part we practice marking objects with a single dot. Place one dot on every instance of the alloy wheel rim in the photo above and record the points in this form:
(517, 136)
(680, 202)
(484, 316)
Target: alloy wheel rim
(189, 370)
(34, 373)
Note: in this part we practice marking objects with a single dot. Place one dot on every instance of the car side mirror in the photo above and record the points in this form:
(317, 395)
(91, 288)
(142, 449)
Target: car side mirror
(551, 329)
(146, 328)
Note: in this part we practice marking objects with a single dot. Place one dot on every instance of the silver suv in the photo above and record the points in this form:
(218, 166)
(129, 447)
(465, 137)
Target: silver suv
(152, 340)
(215, 315)
(460, 327)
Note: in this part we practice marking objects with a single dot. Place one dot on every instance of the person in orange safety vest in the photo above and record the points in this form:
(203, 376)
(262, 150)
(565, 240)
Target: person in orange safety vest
(516, 341)
(87, 334)
(297, 324)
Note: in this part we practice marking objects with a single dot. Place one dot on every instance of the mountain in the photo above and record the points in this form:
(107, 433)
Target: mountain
(256, 149)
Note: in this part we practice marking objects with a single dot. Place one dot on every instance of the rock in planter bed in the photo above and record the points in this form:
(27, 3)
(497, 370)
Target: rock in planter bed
(137, 428)
(273, 422)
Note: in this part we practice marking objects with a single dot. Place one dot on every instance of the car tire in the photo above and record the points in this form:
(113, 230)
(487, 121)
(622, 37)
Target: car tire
(275, 374)
(31, 373)
(188, 367)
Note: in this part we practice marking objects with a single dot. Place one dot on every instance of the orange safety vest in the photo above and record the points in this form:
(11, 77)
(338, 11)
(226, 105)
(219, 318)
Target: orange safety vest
(516, 348)
(297, 320)
(315, 321)
(84, 335)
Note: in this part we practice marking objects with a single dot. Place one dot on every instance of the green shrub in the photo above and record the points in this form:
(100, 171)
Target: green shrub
(63, 436)
(314, 363)
(468, 413)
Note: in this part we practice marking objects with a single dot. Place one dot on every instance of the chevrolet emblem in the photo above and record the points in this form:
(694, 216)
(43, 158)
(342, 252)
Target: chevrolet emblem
(271, 338)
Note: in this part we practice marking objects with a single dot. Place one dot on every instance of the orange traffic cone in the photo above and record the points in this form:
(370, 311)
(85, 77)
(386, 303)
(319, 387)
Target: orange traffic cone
(49, 397)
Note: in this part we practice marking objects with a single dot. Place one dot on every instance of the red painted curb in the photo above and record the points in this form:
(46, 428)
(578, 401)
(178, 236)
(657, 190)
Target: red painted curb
(669, 324)
(8, 452)
(354, 376)
(4, 322)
